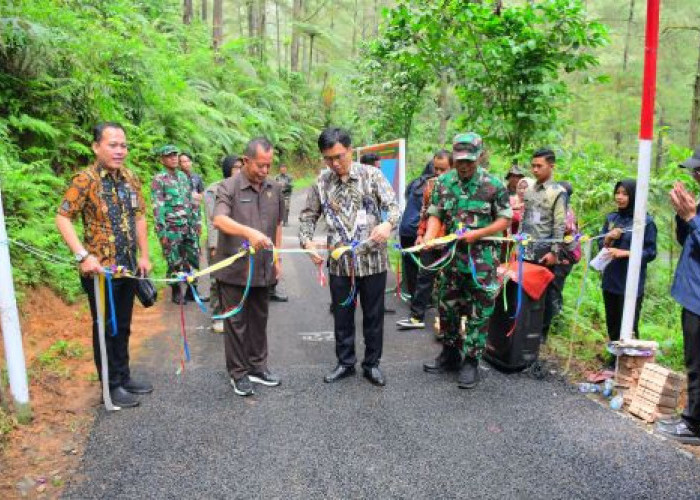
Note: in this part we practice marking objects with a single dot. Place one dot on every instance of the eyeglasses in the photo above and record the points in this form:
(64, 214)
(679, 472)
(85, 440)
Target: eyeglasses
(330, 160)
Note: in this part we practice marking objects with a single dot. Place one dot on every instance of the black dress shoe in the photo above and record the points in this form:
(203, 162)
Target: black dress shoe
(135, 387)
(121, 398)
(338, 373)
(469, 374)
(375, 376)
(449, 360)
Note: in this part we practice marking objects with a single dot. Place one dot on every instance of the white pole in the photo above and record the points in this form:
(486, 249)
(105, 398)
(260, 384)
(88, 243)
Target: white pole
(646, 135)
(11, 333)
(635, 259)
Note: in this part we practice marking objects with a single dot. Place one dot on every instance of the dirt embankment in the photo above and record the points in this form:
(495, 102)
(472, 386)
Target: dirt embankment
(37, 459)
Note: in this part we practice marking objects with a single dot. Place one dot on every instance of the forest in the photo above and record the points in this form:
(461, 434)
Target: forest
(208, 75)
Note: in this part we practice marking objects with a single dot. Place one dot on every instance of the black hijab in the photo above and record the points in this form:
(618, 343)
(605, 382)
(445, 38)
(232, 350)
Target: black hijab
(630, 186)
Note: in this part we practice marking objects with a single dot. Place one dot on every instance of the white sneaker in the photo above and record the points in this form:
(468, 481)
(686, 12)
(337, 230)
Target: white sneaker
(410, 323)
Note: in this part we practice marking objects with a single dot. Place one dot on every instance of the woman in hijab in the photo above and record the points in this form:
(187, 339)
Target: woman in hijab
(617, 232)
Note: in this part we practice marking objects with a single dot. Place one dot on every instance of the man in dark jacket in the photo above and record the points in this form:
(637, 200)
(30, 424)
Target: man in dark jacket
(686, 291)
(408, 228)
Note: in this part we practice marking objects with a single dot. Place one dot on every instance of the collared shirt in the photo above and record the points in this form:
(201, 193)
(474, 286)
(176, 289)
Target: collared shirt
(544, 218)
(286, 182)
(196, 183)
(258, 207)
(472, 203)
(173, 208)
(352, 209)
(209, 205)
(109, 203)
(686, 283)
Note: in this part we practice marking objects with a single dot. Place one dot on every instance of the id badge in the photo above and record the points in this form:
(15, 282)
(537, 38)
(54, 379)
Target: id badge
(536, 217)
(362, 218)
(134, 200)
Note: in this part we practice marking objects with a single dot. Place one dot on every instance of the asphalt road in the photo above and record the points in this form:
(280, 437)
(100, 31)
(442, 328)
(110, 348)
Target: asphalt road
(418, 437)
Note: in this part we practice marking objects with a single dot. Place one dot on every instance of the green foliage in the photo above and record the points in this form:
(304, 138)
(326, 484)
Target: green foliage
(68, 65)
(505, 67)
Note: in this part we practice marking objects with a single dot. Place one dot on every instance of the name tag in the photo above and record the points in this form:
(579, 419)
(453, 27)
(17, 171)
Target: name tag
(536, 217)
(246, 200)
(134, 200)
(362, 218)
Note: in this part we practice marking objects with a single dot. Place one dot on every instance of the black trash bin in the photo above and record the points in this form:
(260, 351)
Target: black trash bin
(521, 349)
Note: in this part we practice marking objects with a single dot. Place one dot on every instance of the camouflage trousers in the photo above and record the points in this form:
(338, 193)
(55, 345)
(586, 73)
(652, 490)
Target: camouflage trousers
(181, 252)
(461, 296)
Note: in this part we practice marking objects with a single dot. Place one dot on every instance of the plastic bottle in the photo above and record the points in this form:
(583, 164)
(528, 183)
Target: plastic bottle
(608, 387)
(586, 387)
(616, 402)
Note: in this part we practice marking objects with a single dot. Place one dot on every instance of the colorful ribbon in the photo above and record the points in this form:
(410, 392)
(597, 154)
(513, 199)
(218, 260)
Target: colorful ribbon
(238, 307)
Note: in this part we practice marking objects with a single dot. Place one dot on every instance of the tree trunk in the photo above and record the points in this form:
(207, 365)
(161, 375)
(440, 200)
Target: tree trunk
(218, 32)
(628, 36)
(262, 25)
(354, 31)
(187, 12)
(695, 113)
(279, 43)
(660, 142)
(252, 27)
(376, 19)
(444, 116)
(297, 9)
(205, 14)
(311, 53)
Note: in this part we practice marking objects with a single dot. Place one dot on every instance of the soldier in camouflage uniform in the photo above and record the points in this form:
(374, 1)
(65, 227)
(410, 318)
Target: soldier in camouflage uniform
(176, 218)
(285, 180)
(471, 199)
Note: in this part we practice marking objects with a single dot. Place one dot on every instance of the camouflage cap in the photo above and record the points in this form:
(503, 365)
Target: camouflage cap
(166, 150)
(515, 170)
(188, 154)
(467, 146)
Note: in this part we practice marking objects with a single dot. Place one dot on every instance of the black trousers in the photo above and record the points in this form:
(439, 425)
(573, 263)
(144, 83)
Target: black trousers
(614, 305)
(554, 298)
(124, 291)
(691, 348)
(245, 334)
(371, 291)
(424, 285)
(410, 269)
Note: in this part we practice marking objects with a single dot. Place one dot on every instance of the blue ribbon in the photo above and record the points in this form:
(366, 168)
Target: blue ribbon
(521, 260)
(199, 302)
(353, 288)
(110, 294)
(235, 310)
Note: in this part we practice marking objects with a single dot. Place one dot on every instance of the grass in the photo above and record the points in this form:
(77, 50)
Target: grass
(52, 359)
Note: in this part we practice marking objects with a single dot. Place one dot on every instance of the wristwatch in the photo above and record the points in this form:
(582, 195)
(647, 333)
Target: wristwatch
(81, 256)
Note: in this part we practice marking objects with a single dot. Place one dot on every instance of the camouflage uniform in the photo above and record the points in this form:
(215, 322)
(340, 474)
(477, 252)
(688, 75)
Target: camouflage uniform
(285, 181)
(176, 220)
(474, 203)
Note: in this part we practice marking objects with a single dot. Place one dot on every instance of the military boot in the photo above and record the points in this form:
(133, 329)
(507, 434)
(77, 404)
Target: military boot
(469, 373)
(447, 361)
(177, 297)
